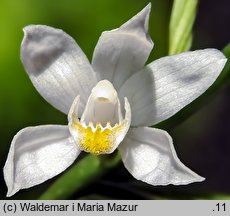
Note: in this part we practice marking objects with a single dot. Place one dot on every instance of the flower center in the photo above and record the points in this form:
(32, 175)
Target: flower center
(97, 140)
(102, 126)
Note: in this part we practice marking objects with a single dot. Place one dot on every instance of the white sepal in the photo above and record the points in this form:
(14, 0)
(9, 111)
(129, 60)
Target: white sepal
(170, 83)
(57, 66)
(121, 52)
(38, 154)
(149, 155)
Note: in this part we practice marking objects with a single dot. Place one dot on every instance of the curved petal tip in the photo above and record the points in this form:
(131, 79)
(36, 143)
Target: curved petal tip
(140, 22)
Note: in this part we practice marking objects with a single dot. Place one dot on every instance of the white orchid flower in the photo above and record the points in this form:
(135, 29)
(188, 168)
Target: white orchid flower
(110, 104)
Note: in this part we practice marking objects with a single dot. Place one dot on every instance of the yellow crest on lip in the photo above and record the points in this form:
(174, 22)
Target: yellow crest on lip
(97, 140)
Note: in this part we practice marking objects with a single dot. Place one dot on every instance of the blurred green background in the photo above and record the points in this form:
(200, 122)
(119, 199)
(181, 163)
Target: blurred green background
(202, 141)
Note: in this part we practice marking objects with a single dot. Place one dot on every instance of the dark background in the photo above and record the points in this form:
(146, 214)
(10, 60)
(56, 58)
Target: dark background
(202, 141)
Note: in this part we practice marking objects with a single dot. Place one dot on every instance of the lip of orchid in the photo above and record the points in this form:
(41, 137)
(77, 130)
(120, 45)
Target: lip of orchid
(102, 126)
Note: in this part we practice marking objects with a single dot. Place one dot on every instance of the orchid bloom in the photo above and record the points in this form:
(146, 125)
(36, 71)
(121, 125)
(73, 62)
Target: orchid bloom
(110, 103)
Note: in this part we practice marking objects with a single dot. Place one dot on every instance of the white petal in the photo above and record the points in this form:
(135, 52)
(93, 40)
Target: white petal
(38, 154)
(121, 52)
(167, 85)
(57, 66)
(149, 155)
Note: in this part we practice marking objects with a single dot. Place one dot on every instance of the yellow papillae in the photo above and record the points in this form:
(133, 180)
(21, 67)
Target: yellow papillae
(97, 140)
